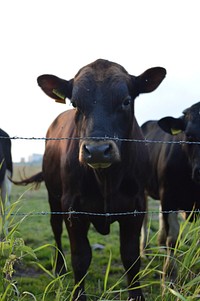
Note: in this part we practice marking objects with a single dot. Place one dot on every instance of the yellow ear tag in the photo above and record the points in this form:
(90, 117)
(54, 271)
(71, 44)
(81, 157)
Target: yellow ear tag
(60, 95)
(175, 131)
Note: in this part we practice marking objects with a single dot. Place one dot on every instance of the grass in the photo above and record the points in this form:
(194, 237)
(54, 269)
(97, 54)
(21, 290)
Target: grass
(27, 253)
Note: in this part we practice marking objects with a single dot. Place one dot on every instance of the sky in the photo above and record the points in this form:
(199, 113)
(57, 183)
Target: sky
(59, 37)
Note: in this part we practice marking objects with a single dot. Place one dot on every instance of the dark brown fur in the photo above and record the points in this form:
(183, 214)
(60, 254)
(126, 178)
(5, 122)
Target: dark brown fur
(108, 176)
(174, 176)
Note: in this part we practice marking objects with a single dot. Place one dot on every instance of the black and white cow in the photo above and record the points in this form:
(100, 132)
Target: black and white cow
(6, 167)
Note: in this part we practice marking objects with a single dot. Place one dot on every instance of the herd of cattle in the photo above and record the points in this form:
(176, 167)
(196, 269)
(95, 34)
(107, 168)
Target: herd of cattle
(103, 173)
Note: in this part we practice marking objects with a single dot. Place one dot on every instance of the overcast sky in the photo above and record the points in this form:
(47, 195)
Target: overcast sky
(59, 37)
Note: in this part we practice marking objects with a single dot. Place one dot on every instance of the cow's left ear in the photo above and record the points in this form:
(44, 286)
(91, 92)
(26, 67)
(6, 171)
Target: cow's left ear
(150, 79)
(55, 87)
(172, 125)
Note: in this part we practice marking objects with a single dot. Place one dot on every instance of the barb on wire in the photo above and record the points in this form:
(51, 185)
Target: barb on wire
(108, 214)
(146, 141)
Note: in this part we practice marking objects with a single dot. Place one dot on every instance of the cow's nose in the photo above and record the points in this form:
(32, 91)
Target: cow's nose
(98, 151)
(97, 155)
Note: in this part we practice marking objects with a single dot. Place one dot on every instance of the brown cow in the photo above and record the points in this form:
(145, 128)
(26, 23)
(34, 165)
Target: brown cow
(102, 173)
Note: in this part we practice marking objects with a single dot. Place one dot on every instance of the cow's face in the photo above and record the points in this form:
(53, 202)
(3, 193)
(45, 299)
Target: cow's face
(189, 124)
(103, 95)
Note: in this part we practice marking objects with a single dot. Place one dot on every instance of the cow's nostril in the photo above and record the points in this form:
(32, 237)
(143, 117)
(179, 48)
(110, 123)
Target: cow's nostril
(87, 151)
(107, 150)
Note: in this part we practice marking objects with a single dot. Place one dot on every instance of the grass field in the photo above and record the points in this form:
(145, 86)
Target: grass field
(31, 248)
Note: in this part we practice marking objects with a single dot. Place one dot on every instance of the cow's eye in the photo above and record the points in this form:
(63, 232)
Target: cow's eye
(126, 103)
(73, 103)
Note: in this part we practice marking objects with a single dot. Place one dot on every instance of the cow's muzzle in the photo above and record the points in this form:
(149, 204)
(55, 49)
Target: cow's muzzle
(99, 154)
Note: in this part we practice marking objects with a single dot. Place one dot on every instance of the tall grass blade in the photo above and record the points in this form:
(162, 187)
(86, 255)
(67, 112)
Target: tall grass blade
(107, 272)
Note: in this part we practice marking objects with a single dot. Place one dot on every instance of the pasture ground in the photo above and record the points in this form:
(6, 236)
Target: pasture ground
(105, 280)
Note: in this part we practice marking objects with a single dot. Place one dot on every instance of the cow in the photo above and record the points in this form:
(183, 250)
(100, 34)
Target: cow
(6, 170)
(94, 170)
(174, 174)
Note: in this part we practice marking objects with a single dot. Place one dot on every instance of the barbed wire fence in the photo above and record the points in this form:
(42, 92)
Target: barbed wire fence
(108, 214)
(131, 213)
(146, 141)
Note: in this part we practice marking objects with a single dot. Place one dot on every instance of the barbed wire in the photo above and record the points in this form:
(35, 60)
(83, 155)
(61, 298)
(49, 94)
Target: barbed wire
(108, 214)
(146, 141)
(70, 213)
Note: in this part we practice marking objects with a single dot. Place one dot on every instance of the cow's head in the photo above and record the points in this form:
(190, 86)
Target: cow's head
(189, 125)
(103, 95)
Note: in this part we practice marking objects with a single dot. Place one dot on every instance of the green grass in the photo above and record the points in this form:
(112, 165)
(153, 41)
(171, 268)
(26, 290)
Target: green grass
(29, 251)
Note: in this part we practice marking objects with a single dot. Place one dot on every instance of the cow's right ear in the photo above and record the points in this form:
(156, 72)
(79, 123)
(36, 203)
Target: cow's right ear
(55, 87)
(172, 125)
(149, 80)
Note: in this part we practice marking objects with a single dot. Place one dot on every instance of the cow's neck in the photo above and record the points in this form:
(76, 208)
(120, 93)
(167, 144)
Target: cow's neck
(105, 185)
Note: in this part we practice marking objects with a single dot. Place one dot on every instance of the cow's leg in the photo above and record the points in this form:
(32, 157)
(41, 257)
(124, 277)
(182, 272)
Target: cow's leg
(162, 235)
(143, 240)
(172, 231)
(57, 227)
(130, 253)
(81, 253)
(6, 189)
(5, 198)
(144, 232)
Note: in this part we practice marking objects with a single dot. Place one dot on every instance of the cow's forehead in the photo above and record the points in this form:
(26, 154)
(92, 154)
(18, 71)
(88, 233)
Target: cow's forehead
(101, 71)
(193, 112)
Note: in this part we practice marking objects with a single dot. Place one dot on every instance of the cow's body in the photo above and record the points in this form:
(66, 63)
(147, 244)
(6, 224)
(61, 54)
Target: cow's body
(95, 175)
(91, 190)
(175, 170)
(6, 168)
